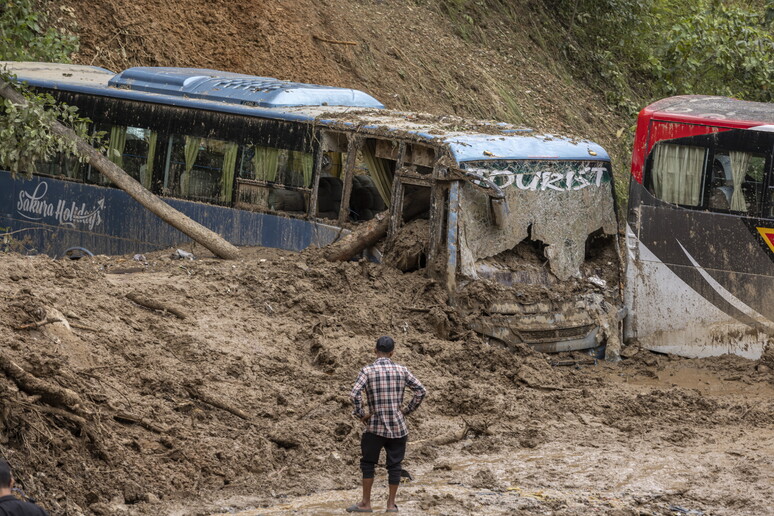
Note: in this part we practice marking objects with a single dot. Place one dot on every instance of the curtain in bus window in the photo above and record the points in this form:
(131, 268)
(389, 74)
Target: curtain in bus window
(192, 144)
(379, 171)
(336, 161)
(677, 173)
(117, 144)
(303, 162)
(265, 160)
(229, 164)
(739, 164)
(147, 175)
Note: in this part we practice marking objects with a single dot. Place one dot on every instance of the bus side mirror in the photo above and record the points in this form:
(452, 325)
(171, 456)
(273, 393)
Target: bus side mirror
(500, 211)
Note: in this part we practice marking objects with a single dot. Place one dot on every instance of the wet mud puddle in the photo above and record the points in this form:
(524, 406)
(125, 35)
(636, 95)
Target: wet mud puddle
(598, 478)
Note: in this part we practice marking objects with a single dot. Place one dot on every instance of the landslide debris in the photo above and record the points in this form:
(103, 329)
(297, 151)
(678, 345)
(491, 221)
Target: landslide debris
(112, 403)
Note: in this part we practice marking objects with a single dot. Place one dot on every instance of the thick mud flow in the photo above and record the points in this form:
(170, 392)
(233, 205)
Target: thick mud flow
(587, 462)
(209, 387)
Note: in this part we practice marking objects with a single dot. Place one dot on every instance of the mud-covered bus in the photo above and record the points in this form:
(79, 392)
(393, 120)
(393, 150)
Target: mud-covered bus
(700, 232)
(520, 227)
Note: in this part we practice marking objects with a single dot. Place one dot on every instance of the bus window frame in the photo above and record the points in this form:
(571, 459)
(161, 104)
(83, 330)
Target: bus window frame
(712, 142)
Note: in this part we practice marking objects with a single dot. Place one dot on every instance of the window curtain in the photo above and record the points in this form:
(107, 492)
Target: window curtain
(265, 160)
(147, 175)
(739, 164)
(677, 173)
(306, 162)
(192, 144)
(379, 171)
(117, 144)
(229, 164)
(337, 158)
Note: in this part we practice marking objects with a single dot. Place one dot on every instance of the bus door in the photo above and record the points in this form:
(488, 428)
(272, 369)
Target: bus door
(700, 280)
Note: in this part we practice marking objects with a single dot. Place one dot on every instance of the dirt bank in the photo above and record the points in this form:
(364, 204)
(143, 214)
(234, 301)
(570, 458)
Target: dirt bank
(236, 397)
(419, 56)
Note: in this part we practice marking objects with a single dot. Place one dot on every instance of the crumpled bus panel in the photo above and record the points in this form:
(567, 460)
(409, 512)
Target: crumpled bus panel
(549, 275)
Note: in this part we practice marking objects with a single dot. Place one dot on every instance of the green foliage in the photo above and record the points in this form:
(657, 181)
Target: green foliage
(595, 32)
(25, 134)
(719, 50)
(646, 49)
(23, 38)
(25, 131)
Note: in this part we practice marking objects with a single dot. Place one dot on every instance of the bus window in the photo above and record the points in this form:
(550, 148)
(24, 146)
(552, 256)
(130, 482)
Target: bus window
(131, 148)
(335, 163)
(331, 186)
(281, 166)
(677, 172)
(138, 154)
(736, 181)
(63, 164)
(274, 179)
(200, 168)
(372, 183)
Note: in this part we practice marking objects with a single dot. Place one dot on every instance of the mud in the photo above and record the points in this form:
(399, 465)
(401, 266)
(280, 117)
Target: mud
(243, 402)
(408, 250)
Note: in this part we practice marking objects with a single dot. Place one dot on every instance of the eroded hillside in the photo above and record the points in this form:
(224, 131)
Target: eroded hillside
(411, 54)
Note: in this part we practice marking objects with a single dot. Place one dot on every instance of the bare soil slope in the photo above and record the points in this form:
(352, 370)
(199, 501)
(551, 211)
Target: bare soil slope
(415, 55)
(236, 397)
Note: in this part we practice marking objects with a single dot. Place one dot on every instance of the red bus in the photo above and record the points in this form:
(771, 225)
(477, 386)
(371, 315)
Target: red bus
(700, 228)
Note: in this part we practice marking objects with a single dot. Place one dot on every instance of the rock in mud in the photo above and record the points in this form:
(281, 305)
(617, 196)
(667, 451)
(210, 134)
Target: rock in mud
(485, 479)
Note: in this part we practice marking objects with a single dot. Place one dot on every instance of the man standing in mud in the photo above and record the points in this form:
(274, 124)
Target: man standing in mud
(384, 383)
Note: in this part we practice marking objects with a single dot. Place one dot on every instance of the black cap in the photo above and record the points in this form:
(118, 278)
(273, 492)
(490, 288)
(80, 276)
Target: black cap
(5, 473)
(385, 344)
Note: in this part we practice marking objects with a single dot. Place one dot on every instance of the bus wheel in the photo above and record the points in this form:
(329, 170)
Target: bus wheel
(76, 253)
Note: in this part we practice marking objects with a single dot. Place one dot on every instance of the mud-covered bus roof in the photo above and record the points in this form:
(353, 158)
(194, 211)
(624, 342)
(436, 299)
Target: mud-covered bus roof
(711, 110)
(266, 97)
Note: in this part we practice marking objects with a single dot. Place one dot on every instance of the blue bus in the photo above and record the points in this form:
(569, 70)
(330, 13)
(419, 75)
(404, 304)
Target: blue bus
(520, 227)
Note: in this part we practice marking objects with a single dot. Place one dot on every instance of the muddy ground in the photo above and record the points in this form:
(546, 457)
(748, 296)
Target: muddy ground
(235, 399)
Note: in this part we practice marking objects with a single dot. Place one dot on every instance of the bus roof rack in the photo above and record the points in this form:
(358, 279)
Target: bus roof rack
(237, 88)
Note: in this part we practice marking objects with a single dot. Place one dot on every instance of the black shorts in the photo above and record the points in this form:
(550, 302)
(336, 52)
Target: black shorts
(371, 447)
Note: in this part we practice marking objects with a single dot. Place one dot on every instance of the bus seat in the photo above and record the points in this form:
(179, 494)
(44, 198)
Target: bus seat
(366, 200)
(329, 195)
(720, 197)
(721, 168)
(286, 200)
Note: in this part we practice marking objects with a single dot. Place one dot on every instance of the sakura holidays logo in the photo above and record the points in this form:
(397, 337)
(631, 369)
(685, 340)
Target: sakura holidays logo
(35, 206)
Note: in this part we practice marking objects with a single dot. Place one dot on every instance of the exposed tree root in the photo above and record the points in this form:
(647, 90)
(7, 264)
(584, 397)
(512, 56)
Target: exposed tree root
(131, 419)
(441, 440)
(215, 402)
(52, 394)
(155, 305)
(38, 324)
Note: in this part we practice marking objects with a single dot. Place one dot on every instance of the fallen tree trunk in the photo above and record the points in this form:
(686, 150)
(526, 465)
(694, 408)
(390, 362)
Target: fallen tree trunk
(363, 237)
(367, 234)
(202, 235)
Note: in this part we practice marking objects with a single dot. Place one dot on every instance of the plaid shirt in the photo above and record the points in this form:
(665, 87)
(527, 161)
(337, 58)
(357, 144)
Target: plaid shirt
(385, 382)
